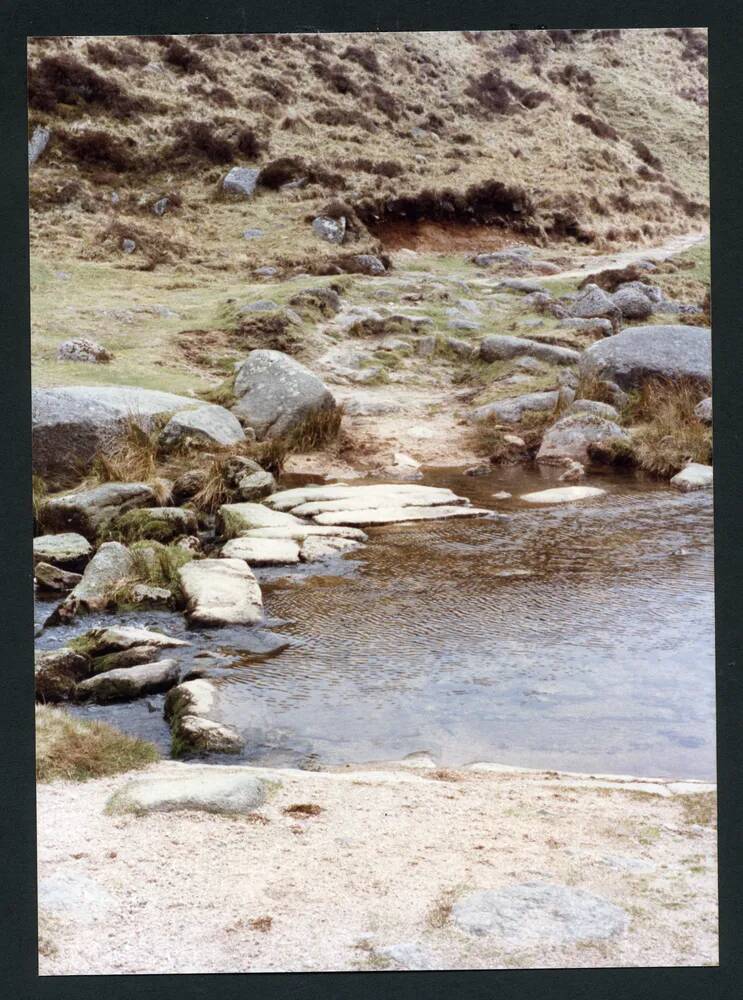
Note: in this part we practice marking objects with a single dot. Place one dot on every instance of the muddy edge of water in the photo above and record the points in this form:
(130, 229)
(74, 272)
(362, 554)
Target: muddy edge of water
(574, 637)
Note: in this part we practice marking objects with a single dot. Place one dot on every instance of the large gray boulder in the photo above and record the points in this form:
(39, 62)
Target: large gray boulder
(537, 915)
(512, 409)
(127, 683)
(241, 181)
(640, 353)
(71, 424)
(206, 426)
(276, 393)
(500, 347)
(571, 436)
(68, 550)
(90, 512)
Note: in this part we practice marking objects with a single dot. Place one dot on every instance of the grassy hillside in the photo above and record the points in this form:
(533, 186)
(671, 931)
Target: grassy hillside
(425, 140)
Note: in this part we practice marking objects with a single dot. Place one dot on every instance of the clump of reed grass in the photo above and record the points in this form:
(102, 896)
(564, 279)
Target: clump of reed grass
(668, 434)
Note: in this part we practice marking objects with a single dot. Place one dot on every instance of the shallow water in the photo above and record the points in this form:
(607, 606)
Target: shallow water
(575, 637)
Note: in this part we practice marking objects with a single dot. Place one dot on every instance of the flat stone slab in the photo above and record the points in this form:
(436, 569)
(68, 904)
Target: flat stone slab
(537, 914)
(262, 551)
(68, 550)
(87, 512)
(111, 566)
(391, 515)
(564, 494)
(303, 531)
(287, 500)
(205, 426)
(127, 683)
(99, 641)
(236, 518)
(693, 477)
(315, 549)
(221, 592)
(211, 790)
(511, 409)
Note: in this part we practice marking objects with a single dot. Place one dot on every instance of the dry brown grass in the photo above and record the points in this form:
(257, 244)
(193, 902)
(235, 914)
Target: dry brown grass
(303, 809)
(668, 434)
(73, 749)
(700, 809)
(132, 458)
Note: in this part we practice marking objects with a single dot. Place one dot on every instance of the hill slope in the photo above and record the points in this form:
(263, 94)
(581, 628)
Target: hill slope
(425, 140)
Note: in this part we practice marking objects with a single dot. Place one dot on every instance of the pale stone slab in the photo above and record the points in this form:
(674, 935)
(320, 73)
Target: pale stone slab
(262, 551)
(202, 790)
(289, 499)
(563, 494)
(221, 592)
(240, 517)
(694, 477)
(306, 531)
(391, 515)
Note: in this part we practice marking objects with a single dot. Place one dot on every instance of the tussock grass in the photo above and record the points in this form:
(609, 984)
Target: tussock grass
(700, 808)
(73, 749)
(38, 496)
(669, 435)
(132, 458)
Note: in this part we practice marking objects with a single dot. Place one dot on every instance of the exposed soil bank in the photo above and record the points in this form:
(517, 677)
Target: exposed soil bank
(393, 847)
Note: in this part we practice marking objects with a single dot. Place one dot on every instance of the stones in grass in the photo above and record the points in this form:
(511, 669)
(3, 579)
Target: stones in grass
(533, 915)
(162, 524)
(564, 494)
(67, 550)
(640, 353)
(512, 409)
(50, 577)
(329, 230)
(205, 426)
(221, 592)
(594, 326)
(499, 347)
(694, 476)
(276, 394)
(57, 672)
(83, 349)
(129, 683)
(90, 512)
(632, 303)
(605, 410)
(241, 181)
(593, 303)
(571, 436)
(37, 143)
(703, 410)
(128, 246)
(201, 790)
(255, 485)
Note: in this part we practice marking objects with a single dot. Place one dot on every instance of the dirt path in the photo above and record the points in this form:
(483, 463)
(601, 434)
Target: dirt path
(368, 883)
(676, 245)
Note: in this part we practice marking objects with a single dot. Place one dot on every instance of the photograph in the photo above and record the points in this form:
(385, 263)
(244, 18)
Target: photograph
(373, 548)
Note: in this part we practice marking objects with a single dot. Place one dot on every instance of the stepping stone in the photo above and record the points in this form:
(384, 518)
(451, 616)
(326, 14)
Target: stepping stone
(303, 531)
(128, 683)
(539, 914)
(316, 549)
(221, 592)
(563, 494)
(207, 789)
(235, 518)
(262, 551)
(392, 515)
(120, 637)
(68, 550)
(693, 477)
(378, 492)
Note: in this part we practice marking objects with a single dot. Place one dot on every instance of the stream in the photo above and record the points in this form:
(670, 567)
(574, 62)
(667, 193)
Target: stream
(575, 637)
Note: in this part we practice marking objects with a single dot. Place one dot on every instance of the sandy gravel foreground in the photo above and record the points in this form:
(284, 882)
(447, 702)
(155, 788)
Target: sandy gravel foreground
(369, 882)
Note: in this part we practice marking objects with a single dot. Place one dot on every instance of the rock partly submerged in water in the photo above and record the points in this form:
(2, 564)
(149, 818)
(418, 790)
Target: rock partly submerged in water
(57, 672)
(221, 592)
(126, 684)
(50, 577)
(564, 494)
(68, 550)
(694, 476)
(111, 566)
(572, 435)
(189, 709)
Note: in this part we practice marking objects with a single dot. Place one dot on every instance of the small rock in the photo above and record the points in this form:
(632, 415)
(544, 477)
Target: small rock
(145, 596)
(82, 349)
(502, 495)
(632, 303)
(574, 472)
(161, 206)
(204, 426)
(513, 408)
(478, 470)
(703, 410)
(128, 246)
(594, 302)
(38, 143)
(256, 485)
(67, 550)
(50, 577)
(267, 271)
(462, 348)
(241, 181)
(498, 347)
(596, 325)
(330, 230)
(515, 440)
(369, 264)
(605, 410)
(564, 494)
(693, 477)
(571, 436)
(252, 234)
(57, 672)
